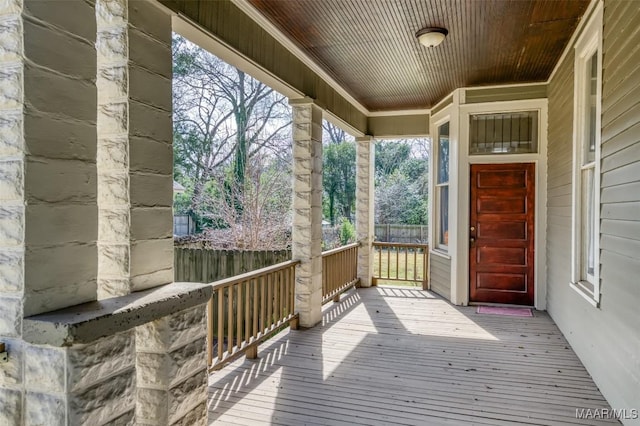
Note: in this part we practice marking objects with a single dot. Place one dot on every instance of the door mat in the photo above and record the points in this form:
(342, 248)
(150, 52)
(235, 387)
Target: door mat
(511, 312)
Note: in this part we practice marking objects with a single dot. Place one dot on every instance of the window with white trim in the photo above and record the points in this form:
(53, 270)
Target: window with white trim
(586, 149)
(442, 188)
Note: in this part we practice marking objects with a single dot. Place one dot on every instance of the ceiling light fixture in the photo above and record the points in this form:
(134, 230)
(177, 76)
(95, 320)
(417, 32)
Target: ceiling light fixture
(431, 36)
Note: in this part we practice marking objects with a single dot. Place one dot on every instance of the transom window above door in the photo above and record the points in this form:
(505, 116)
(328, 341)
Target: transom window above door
(503, 133)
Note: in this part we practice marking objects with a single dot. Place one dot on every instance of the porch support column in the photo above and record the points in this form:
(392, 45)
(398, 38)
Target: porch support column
(48, 219)
(172, 369)
(307, 209)
(134, 154)
(135, 198)
(365, 170)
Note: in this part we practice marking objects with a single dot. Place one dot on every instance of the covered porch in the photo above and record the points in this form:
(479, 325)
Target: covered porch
(398, 355)
(94, 330)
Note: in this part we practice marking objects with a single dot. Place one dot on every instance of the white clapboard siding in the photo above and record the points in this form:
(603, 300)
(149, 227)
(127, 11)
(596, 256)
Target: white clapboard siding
(607, 338)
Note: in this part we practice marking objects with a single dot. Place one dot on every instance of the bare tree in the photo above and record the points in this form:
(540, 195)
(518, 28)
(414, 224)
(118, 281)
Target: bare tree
(265, 220)
(334, 134)
(222, 118)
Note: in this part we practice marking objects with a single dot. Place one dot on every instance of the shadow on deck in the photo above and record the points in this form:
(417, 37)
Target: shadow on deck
(389, 355)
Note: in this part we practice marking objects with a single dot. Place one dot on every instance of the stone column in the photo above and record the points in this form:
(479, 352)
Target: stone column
(135, 199)
(85, 384)
(307, 209)
(172, 369)
(134, 156)
(365, 214)
(48, 214)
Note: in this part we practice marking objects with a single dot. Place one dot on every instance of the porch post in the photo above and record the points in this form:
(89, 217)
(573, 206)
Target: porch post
(135, 200)
(307, 209)
(85, 214)
(365, 170)
(134, 153)
(48, 219)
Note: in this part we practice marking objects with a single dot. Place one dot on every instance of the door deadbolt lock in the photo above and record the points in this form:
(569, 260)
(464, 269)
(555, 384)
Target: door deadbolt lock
(473, 228)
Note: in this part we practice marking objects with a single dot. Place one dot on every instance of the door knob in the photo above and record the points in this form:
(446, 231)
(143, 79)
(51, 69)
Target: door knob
(472, 240)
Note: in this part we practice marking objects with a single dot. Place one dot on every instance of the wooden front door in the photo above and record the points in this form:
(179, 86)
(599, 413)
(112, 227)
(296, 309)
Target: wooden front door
(501, 246)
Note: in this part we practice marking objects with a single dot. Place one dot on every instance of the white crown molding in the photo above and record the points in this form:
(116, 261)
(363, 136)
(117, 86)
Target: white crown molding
(270, 28)
(498, 86)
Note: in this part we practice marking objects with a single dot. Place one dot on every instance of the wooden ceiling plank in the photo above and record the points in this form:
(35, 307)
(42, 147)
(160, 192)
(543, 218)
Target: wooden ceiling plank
(363, 44)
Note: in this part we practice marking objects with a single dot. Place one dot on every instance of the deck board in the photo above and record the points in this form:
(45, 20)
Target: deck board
(387, 355)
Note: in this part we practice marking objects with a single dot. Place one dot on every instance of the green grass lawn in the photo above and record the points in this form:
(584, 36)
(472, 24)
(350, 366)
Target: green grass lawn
(393, 265)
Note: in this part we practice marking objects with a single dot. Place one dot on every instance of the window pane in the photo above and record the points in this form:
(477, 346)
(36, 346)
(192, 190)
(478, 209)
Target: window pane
(443, 153)
(590, 143)
(508, 133)
(588, 225)
(444, 215)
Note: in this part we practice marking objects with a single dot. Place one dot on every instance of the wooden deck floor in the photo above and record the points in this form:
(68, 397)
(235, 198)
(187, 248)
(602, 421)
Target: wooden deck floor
(387, 356)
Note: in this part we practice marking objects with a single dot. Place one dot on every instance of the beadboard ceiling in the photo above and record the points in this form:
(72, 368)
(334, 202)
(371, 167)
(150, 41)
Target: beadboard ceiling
(369, 46)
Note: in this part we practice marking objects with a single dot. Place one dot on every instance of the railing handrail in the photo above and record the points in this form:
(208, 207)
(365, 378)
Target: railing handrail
(340, 249)
(409, 245)
(227, 282)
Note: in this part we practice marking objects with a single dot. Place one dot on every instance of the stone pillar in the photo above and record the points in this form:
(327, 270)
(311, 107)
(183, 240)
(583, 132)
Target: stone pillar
(134, 155)
(365, 214)
(135, 199)
(48, 213)
(307, 209)
(172, 369)
(89, 384)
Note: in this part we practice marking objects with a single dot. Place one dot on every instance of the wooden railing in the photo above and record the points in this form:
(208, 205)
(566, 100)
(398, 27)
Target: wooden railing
(246, 309)
(339, 271)
(401, 262)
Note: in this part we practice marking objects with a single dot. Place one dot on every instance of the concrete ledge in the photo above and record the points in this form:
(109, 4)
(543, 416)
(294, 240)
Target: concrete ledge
(88, 322)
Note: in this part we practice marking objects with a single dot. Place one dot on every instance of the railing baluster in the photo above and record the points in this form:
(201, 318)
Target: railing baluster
(325, 286)
(239, 316)
(210, 332)
(230, 321)
(406, 264)
(220, 337)
(247, 312)
(292, 293)
(269, 301)
(285, 294)
(388, 263)
(282, 294)
(256, 305)
(263, 298)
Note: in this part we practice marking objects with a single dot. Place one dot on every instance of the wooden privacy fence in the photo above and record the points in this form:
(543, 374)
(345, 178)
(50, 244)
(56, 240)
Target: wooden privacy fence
(205, 266)
(401, 262)
(246, 309)
(410, 234)
(339, 271)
